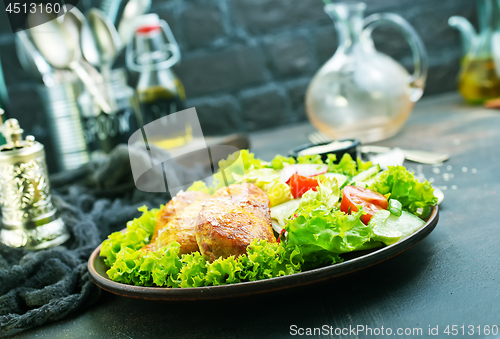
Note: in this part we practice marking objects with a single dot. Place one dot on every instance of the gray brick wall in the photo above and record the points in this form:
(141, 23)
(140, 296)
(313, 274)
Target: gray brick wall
(247, 63)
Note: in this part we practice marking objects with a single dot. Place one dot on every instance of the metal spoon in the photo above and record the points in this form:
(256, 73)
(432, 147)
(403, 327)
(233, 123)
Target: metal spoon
(89, 46)
(107, 39)
(133, 9)
(32, 61)
(56, 45)
(74, 21)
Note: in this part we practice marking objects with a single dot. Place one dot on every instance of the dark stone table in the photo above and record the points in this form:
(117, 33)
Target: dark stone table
(450, 278)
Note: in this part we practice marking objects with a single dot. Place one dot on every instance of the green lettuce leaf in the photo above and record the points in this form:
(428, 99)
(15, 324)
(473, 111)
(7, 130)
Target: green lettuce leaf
(223, 271)
(267, 179)
(280, 161)
(137, 235)
(328, 194)
(260, 177)
(347, 165)
(248, 158)
(165, 267)
(321, 235)
(160, 267)
(232, 169)
(268, 260)
(281, 213)
(363, 165)
(310, 159)
(415, 197)
(278, 192)
(193, 271)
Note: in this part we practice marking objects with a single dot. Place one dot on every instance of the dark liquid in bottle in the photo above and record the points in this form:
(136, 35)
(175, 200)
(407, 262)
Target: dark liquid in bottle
(157, 102)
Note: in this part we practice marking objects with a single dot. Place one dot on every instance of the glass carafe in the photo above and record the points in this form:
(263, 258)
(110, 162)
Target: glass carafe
(360, 92)
(479, 78)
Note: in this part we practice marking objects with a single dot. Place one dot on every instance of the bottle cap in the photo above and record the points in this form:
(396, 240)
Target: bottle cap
(146, 23)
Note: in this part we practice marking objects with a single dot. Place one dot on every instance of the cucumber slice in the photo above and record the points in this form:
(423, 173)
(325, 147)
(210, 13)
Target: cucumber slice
(361, 178)
(381, 232)
(390, 229)
(371, 180)
(395, 207)
(341, 179)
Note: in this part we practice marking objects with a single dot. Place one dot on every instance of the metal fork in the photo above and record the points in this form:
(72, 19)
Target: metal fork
(412, 155)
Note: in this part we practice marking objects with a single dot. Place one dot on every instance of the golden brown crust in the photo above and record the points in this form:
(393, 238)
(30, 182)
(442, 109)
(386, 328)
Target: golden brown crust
(177, 222)
(232, 219)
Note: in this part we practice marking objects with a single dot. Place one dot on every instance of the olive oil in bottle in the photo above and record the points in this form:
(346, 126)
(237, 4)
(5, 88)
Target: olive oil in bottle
(479, 81)
(160, 91)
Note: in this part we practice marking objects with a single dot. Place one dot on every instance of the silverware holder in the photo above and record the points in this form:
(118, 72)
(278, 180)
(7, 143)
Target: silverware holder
(65, 124)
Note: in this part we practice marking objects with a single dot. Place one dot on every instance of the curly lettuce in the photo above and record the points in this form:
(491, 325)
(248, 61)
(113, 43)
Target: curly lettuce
(165, 267)
(347, 165)
(159, 267)
(310, 159)
(267, 179)
(321, 235)
(138, 234)
(415, 197)
(328, 194)
(278, 192)
(280, 161)
(243, 166)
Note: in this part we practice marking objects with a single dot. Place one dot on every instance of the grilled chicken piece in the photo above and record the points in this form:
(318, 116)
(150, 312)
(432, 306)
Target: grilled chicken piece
(232, 219)
(177, 222)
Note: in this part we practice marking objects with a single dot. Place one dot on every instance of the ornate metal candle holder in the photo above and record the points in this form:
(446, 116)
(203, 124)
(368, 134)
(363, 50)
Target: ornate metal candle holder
(29, 218)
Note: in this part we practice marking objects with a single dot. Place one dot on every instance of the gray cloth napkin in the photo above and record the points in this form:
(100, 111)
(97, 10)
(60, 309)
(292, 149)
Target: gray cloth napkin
(94, 200)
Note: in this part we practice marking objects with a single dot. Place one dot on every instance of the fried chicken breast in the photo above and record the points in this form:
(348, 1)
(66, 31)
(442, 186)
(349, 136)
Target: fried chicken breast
(232, 219)
(177, 222)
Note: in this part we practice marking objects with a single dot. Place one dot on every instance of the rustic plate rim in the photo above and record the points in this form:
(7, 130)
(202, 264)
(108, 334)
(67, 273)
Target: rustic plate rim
(266, 285)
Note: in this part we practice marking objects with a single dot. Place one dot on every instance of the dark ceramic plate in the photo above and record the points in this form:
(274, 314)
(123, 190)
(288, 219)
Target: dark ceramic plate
(354, 262)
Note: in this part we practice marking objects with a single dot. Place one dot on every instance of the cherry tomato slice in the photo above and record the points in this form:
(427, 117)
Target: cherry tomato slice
(300, 185)
(371, 201)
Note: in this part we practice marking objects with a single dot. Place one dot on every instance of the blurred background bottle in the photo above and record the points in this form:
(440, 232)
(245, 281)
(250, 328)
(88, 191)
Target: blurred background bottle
(103, 131)
(479, 78)
(153, 53)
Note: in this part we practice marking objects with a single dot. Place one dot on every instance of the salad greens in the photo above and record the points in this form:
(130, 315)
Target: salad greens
(415, 197)
(281, 213)
(267, 179)
(322, 234)
(139, 232)
(347, 165)
(312, 229)
(328, 194)
(164, 267)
